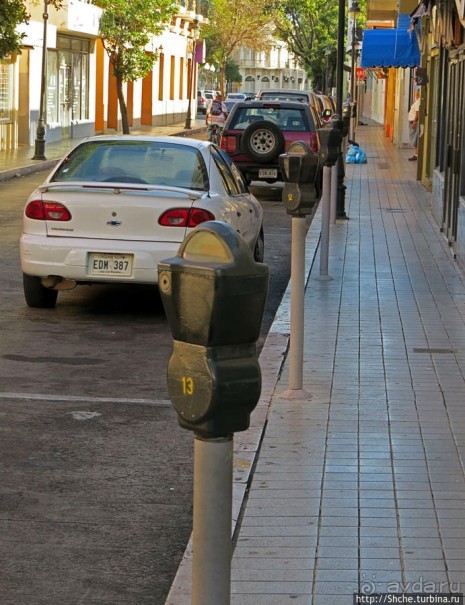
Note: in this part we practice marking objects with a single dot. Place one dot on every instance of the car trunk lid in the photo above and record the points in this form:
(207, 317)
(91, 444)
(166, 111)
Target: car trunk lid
(117, 211)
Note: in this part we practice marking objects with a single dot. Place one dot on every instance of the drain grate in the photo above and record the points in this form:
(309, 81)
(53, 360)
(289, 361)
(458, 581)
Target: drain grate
(394, 210)
(432, 351)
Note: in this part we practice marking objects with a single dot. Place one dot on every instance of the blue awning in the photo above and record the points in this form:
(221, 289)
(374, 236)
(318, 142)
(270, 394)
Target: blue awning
(390, 47)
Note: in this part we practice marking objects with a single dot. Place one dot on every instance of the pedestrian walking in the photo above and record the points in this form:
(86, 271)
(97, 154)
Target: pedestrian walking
(413, 125)
(215, 118)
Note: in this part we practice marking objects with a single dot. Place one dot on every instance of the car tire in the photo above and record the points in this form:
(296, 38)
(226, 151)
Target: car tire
(259, 250)
(36, 295)
(263, 141)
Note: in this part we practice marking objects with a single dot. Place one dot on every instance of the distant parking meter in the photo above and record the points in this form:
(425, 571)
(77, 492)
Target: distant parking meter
(301, 172)
(330, 145)
(346, 111)
(214, 297)
(353, 109)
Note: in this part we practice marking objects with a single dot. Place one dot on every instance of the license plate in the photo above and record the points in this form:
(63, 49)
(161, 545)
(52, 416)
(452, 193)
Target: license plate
(268, 173)
(110, 264)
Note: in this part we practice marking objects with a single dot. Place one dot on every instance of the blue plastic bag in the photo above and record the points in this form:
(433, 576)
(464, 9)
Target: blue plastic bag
(355, 155)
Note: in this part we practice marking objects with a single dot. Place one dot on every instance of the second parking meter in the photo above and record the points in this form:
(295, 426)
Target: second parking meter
(346, 111)
(301, 173)
(214, 295)
(330, 145)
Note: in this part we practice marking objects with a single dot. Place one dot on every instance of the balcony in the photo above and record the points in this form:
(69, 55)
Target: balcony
(79, 16)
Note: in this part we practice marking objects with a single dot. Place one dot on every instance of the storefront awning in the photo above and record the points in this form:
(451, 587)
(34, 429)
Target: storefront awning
(390, 48)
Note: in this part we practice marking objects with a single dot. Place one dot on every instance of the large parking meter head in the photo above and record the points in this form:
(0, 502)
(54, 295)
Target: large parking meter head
(330, 145)
(301, 171)
(214, 295)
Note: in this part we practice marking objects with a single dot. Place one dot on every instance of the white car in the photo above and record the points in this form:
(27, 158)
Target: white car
(117, 205)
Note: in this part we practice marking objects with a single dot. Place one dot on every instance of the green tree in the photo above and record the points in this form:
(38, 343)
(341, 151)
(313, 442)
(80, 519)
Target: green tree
(12, 14)
(234, 24)
(310, 30)
(232, 73)
(126, 27)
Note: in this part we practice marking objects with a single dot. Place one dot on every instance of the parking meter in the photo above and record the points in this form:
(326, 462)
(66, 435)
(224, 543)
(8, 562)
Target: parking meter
(301, 172)
(214, 296)
(330, 145)
(346, 111)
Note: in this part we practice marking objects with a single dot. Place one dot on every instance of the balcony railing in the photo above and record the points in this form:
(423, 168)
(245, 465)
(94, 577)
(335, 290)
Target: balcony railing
(199, 7)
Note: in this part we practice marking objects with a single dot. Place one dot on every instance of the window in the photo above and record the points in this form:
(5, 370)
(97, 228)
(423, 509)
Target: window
(141, 162)
(230, 183)
(6, 91)
(68, 80)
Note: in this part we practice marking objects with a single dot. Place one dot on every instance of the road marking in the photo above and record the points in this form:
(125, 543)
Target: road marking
(39, 397)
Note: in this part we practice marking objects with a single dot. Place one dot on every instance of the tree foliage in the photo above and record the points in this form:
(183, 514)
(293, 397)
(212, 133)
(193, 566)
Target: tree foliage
(234, 24)
(12, 14)
(126, 27)
(232, 72)
(309, 28)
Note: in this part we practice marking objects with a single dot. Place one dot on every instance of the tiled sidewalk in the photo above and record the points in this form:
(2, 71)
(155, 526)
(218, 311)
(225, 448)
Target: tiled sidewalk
(362, 486)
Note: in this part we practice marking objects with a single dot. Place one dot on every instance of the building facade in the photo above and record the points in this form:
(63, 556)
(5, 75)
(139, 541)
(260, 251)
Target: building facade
(80, 93)
(275, 68)
(439, 29)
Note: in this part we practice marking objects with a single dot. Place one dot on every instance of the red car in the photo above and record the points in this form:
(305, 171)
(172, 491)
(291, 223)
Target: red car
(257, 132)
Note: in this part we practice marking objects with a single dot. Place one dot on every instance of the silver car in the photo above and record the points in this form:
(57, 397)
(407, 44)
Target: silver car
(116, 205)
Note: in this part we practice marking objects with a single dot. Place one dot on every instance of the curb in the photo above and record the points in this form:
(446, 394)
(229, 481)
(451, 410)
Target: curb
(6, 175)
(247, 444)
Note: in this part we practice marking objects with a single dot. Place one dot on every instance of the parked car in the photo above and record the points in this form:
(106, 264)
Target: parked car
(285, 94)
(116, 205)
(305, 96)
(326, 107)
(256, 132)
(233, 98)
(236, 96)
(201, 102)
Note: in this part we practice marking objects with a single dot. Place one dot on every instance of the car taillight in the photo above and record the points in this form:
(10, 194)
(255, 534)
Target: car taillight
(185, 217)
(47, 211)
(314, 142)
(229, 144)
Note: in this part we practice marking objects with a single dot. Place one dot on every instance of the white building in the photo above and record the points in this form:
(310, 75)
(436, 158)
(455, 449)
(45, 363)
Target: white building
(276, 68)
(80, 92)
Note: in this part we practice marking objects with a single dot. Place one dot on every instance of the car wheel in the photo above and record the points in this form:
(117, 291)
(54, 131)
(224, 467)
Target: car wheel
(36, 295)
(259, 250)
(263, 141)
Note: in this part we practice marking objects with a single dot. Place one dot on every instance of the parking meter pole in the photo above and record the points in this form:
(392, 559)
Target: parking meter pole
(296, 346)
(212, 546)
(214, 296)
(333, 194)
(325, 219)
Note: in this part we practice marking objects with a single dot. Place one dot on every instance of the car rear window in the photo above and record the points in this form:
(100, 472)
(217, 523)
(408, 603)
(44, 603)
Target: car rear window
(149, 162)
(288, 120)
(285, 96)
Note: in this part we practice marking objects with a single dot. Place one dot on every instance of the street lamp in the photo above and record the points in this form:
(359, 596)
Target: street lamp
(354, 10)
(328, 81)
(190, 84)
(39, 151)
(341, 188)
